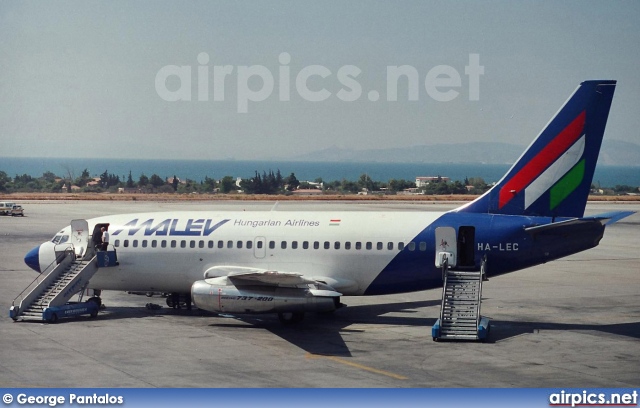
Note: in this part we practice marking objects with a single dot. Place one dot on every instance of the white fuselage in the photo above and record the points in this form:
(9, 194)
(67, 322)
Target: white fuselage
(169, 251)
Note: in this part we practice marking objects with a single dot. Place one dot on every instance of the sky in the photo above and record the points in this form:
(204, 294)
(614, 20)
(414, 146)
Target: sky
(119, 79)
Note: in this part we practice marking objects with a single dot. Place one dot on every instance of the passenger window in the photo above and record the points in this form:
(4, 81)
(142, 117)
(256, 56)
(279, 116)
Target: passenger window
(135, 243)
(173, 243)
(164, 243)
(249, 244)
(154, 243)
(283, 245)
(305, 244)
(126, 243)
(210, 244)
(229, 244)
(379, 246)
(316, 245)
(423, 246)
(239, 245)
(400, 246)
(272, 244)
(220, 244)
(192, 244)
(116, 243)
(369, 245)
(183, 243)
(327, 244)
(412, 246)
(294, 244)
(347, 245)
(390, 246)
(358, 246)
(144, 243)
(200, 244)
(336, 245)
(259, 244)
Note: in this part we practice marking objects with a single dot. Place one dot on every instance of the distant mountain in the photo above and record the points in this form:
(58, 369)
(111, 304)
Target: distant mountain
(619, 153)
(475, 152)
(614, 152)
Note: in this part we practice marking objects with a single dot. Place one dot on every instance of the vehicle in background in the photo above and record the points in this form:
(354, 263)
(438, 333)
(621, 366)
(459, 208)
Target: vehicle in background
(17, 210)
(5, 207)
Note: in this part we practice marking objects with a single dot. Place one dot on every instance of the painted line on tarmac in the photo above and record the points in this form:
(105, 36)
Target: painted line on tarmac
(357, 365)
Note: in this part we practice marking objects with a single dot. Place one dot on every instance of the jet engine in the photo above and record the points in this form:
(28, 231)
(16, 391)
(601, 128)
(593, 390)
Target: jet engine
(222, 296)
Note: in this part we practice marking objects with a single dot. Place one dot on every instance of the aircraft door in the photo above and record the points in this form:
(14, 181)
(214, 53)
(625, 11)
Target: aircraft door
(446, 246)
(466, 247)
(80, 236)
(260, 247)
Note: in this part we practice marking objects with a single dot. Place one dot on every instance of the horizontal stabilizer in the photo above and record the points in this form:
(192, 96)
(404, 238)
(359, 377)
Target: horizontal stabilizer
(561, 226)
(613, 216)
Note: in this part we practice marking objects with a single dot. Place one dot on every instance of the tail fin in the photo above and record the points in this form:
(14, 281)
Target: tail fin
(553, 176)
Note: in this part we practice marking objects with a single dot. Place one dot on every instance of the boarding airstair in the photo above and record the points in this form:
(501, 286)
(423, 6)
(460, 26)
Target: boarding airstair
(75, 264)
(60, 282)
(460, 317)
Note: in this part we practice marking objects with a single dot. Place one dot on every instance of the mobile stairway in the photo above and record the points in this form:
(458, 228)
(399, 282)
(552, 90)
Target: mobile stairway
(460, 317)
(47, 297)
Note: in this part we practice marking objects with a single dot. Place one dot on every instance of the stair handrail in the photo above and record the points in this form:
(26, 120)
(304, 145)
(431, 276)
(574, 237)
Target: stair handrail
(62, 284)
(444, 264)
(483, 271)
(61, 254)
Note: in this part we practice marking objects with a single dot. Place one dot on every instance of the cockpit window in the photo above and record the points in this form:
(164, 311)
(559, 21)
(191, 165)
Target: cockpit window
(60, 239)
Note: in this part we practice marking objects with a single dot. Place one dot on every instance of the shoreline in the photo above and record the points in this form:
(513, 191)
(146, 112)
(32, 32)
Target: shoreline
(261, 197)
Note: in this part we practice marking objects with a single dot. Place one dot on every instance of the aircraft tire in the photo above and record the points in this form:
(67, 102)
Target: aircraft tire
(291, 317)
(96, 300)
(171, 302)
(53, 319)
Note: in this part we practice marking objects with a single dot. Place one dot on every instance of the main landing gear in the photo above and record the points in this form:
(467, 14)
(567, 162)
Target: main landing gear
(291, 317)
(179, 300)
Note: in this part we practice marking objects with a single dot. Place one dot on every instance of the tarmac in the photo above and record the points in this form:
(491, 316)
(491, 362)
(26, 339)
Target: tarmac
(574, 322)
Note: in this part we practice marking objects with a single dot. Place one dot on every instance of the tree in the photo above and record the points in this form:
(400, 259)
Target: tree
(4, 180)
(108, 180)
(349, 186)
(143, 181)
(49, 177)
(156, 181)
(400, 185)
(175, 183)
(227, 184)
(70, 173)
(292, 182)
(130, 183)
(209, 184)
(365, 183)
(84, 178)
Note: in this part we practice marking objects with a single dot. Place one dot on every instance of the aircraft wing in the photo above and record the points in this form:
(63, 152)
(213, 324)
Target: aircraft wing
(240, 275)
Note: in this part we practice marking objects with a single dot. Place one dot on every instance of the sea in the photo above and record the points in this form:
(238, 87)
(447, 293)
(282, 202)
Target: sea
(197, 170)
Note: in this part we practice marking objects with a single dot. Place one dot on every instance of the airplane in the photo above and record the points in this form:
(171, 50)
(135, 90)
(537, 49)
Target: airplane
(291, 263)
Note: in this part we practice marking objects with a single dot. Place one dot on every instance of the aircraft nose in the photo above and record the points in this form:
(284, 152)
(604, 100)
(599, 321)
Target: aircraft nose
(32, 259)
